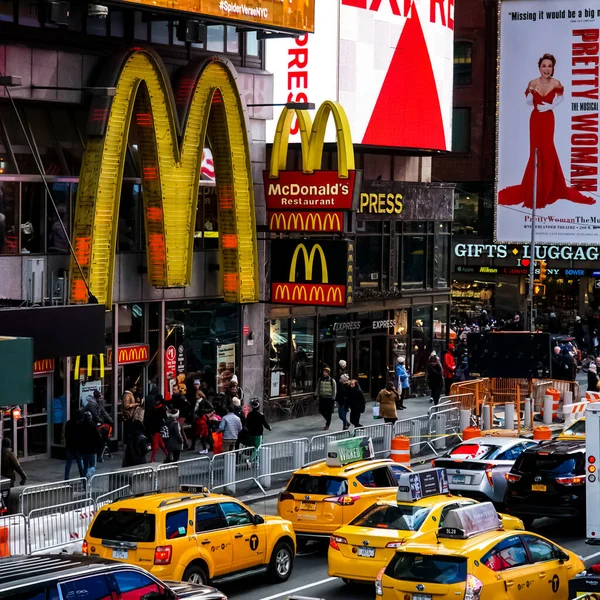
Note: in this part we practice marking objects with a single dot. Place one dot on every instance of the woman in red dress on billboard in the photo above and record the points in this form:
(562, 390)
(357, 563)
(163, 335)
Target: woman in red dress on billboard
(544, 93)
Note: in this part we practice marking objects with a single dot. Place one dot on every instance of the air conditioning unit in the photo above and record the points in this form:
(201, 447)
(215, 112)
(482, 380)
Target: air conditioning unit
(57, 12)
(191, 31)
(374, 276)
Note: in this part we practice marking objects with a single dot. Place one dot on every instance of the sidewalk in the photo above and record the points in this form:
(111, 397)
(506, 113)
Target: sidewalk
(49, 469)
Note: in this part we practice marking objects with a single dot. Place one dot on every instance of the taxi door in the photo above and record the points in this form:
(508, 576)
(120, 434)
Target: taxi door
(552, 573)
(213, 538)
(249, 541)
(510, 562)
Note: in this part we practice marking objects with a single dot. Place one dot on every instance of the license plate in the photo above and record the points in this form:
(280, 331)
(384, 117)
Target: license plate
(308, 506)
(421, 597)
(120, 554)
(459, 479)
(366, 552)
(537, 487)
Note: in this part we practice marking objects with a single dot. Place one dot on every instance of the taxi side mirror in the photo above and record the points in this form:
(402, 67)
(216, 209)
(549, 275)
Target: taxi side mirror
(562, 557)
(257, 520)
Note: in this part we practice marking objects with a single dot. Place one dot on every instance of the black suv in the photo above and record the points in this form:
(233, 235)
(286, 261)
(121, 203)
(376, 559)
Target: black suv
(548, 480)
(56, 577)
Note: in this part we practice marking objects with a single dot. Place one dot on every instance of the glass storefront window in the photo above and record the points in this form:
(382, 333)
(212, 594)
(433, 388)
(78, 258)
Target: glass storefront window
(303, 355)
(160, 32)
(130, 218)
(440, 328)
(140, 27)
(33, 218)
(206, 235)
(233, 43)
(441, 261)
(9, 217)
(279, 356)
(252, 44)
(7, 10)
(368, 261)
(58, 242)
(215, 38)
(413, 262)
(399, 341)
(421, 339)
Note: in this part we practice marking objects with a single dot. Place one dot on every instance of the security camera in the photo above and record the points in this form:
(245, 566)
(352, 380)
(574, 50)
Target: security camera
(97, 10)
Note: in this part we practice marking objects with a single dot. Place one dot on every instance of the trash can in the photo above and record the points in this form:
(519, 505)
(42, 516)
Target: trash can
(4, 494)
(585, 584)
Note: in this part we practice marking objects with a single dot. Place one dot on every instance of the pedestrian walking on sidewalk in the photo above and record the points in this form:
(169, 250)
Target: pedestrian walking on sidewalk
(403, 385)
(387, 399)
(230, 426)
(128, 409)
(326, 393)
(155, 422)
(91, 443)
(356, 402)
(342, 400)
(449, 366)
(175, 442)
(73, 443)
(592, 378)
(182, 406)
(138, 446)
(435, 377)
(11, 467)
(256, 425)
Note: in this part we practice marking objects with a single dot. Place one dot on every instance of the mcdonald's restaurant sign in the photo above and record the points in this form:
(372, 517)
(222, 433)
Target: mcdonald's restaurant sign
(314, 273)
(130, 354)
(301, 200)
(205, 103)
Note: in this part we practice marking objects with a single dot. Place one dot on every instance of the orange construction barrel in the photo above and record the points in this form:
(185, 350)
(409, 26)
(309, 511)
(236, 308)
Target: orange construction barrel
(400, 451)
(555, 402)
(542, 433)
(471, 432)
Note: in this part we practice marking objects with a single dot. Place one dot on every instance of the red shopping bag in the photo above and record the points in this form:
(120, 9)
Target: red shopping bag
(218, 442)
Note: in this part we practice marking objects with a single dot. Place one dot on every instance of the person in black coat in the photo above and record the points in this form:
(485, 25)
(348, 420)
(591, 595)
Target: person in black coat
(73, 443)
(435, 377)
(568, 364)
(355, 400)
(90, 444)
(155, 420)
(137, 446)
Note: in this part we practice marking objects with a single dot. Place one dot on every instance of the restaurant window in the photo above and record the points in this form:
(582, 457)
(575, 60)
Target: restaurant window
(130, 227)
(441, 256)
(399, 338)
(215, 40)
(140, 28)
(440, 328)
(462, 63)
(160, 32)
(33, 218)
(206, 235)
(371, 267)
(117, 23)
(233, 40)
(303, 355)
(461, 130)
(421, 339)
(9, 217)
(413, 258)
(132, 332)
(58, 242)
(252, 44)
(278, 351)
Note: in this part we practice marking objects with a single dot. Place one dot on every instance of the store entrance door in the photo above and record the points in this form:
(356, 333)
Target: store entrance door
(364, 366)
(32, 435)
(372, 365)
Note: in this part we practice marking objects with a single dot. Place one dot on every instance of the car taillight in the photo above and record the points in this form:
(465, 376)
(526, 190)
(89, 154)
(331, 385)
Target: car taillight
(570, 480)
(378, 584)
(342, 500)
(394, 544)
(84, 548)
(512, 477)
(162, 555)
(334, 540)
(488, 474)
(474, 587)
(286, 496)
(595, 569)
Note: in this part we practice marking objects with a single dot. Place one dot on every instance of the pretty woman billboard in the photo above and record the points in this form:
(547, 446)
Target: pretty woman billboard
(548, 101)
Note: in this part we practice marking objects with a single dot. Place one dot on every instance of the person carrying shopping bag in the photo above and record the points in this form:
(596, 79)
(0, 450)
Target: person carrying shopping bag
(387, 399)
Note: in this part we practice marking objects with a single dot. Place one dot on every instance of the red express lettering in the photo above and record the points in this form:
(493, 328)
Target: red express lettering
(297, 74)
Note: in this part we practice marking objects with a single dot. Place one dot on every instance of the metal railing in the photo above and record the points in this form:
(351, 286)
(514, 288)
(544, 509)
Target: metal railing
(14, 535)
(380, 434)
(139, 479)
(318, 444)
(51, 494)
(195, 471)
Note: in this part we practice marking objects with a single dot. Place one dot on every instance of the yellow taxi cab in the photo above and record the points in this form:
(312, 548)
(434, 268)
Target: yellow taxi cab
(321, 497)
(359, 550)
(193, 537)
(576, 431)
(476, 559)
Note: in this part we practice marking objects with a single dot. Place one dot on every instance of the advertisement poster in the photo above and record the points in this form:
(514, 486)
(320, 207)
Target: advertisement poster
(225, 366)
(548, 100)
(389, 64)
(170, 371)
(87, 389)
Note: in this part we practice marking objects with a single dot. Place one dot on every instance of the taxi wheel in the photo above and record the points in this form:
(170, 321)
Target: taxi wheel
(195, 574)
(282, 563)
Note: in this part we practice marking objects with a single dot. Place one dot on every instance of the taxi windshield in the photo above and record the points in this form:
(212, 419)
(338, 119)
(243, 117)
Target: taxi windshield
(427, 568)
(401, 517)
(578, 428)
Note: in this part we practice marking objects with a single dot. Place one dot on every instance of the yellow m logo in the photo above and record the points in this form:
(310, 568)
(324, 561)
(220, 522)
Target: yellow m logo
(334, 295)
(299, 292)
(209, 106)
(312, 137)
(317, 294)
(308, 262)
(282, 292)
(333, 220)
(311, 222)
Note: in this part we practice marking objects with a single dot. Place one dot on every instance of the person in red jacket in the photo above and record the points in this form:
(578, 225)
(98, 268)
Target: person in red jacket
(449, 365)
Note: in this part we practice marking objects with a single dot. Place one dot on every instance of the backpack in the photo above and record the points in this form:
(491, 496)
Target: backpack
(164, 431)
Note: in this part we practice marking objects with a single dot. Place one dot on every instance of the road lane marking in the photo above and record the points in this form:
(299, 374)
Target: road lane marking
(299, 589)
(586, 558)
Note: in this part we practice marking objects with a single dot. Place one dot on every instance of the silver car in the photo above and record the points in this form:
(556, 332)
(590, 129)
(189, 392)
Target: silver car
(477, 467)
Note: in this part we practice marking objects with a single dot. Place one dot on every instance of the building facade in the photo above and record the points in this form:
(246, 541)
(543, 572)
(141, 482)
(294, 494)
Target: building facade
(150, 337)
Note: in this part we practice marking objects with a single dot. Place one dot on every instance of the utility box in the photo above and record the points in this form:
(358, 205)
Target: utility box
(16, 371)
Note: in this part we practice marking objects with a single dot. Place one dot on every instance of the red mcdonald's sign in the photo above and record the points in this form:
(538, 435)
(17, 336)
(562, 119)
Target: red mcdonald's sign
(44, 365)
(130, 354)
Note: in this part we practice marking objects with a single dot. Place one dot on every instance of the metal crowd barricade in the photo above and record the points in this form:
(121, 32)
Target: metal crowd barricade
(194, 471)
(466, 401)
(113, 496)
(32, 497)
(442, 406)
(140, 480)
(380, 434)
(417, 430)
(232, 468)
(63, 526)
(14, 535)
(281, 458)
(478, 387)
(318, 444)
(444, 429)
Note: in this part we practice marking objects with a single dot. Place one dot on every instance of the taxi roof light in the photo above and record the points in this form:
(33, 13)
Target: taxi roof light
(350, 450)
(463, 523)
(422, 484)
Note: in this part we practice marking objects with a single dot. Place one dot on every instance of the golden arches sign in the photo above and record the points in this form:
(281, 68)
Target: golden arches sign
(312, 138)
(209, 105)
(309, 260)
